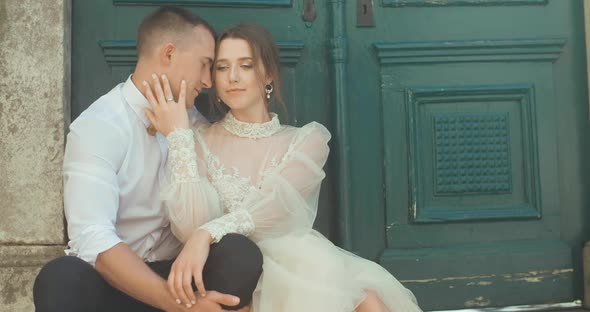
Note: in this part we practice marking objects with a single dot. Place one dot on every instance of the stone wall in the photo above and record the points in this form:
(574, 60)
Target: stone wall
(34, 95)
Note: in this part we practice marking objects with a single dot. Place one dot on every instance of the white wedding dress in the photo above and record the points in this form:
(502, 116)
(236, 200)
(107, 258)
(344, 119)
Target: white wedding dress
(263, 181)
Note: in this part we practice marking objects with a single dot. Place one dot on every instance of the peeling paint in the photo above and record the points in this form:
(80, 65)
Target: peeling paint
(482, 283)
(487, 280)
(390, 226)
(430, 280)
(477, 302)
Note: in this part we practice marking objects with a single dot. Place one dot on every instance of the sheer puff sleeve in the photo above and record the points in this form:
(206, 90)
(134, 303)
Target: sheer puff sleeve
(190, 199)
(286, 200)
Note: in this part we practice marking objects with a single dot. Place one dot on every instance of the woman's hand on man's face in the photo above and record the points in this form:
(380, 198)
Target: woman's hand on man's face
(166, 114)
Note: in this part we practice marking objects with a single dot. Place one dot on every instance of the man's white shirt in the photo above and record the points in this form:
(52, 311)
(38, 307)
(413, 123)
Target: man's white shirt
(113, 173)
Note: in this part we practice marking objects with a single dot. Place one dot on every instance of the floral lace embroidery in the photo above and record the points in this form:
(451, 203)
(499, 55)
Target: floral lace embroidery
(238, 221)
(182, 156)
(251, 130)
(232, 188)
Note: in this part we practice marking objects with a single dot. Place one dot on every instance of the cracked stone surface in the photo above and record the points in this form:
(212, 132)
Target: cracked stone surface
(34, 90)
(32, 97)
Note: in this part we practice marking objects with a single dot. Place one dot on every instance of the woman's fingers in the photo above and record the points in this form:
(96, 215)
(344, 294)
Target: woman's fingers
(159, 91)
(179, 288)
(197, 274)
(171, 283)
(188, 288)
(167, 91)
(182, 95)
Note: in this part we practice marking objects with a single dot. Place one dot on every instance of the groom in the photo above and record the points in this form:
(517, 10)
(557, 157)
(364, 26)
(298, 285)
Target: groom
(121, 248)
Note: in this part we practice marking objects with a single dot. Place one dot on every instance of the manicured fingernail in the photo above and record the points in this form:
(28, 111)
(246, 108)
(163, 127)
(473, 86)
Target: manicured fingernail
(144, 83)
(188, 305)
(154, 76)
(236, 299)
(183, 82)
(203, 295)
(178, 301)
(193, 302)
(164, 77)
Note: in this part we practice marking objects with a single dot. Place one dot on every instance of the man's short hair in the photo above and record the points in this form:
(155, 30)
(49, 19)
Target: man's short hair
(167, 23)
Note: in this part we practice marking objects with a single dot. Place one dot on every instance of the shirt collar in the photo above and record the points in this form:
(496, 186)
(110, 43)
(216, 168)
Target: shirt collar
(136, 100)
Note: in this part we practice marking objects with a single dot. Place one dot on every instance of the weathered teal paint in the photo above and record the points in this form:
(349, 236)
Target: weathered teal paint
(423, 204)
(123, 52)
(472, 154)
(443, 3)
(208, 3)
(463, 51)
(337, 49)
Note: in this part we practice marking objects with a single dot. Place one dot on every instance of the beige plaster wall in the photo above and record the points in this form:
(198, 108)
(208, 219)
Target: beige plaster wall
(34, 95)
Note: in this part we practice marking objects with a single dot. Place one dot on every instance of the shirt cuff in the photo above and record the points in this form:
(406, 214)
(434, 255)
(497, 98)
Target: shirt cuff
(93, 241)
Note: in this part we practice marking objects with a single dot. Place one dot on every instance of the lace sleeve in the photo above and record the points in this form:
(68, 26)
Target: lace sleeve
(182, 156)
(190, 199)
(238, 221)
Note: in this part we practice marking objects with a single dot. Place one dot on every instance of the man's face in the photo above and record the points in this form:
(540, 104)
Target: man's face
(193, 64)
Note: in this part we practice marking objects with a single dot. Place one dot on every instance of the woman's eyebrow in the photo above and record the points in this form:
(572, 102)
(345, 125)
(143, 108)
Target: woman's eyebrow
(240, 59)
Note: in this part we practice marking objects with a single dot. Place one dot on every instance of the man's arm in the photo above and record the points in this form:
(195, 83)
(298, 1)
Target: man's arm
(124, 270)
(95, 151)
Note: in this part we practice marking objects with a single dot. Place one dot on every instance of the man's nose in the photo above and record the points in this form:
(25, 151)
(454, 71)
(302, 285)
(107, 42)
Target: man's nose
(206, 79)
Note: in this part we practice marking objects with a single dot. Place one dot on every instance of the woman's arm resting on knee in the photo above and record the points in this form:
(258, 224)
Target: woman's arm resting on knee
(124, 270)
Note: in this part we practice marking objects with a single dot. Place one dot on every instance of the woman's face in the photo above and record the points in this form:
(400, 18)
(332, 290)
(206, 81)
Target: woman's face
(236, 81)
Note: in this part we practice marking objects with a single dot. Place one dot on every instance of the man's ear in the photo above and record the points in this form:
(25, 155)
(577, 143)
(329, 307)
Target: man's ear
(166, 53)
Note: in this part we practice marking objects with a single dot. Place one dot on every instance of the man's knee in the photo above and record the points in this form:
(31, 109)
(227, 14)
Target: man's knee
(241, 250)
(59, 283)
(234, 267)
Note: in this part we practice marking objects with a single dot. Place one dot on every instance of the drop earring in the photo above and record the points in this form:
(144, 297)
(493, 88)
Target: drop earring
(268, 89)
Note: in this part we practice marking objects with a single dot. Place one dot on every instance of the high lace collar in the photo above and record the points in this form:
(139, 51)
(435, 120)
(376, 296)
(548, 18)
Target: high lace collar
(251, 130)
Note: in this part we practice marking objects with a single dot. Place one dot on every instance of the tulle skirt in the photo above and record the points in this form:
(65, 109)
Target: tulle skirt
(307, 273)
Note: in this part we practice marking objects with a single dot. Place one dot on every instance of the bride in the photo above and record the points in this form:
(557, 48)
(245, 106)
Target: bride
(251, 175)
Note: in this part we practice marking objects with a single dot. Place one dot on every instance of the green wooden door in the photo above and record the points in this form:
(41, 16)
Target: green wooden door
(468, 132)
(460, 130)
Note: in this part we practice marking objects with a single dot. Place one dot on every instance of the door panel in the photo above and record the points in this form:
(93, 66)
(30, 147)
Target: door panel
(455, 137)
